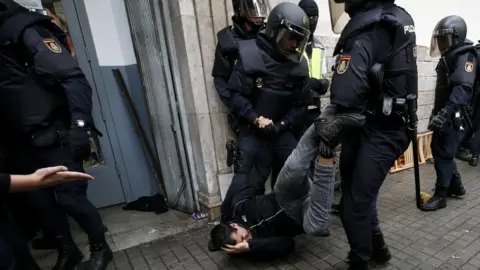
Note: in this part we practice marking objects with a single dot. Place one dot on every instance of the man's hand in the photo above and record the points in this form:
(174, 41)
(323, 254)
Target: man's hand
(329, 125)
(56, 175)
(325, 151)
(237, 249)
(437, 121)
(262, 122)
(79, 144)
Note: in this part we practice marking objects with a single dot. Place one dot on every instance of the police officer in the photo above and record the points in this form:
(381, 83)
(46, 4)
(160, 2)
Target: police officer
(268, 91)
(45, 104)
(317, 66)
(375, 73)
(456, 74)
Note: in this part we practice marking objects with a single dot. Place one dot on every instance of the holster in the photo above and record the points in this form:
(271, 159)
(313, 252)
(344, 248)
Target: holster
(49, 135)
(231, 147)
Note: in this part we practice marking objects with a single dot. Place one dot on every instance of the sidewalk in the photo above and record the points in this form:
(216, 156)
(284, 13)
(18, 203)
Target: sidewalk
(438, 240)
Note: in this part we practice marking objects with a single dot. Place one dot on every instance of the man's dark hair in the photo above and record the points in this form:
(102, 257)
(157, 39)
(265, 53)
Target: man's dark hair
(220, 236)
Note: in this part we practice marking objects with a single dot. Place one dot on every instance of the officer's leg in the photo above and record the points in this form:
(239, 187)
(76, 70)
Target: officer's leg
(475, 149)
(261, 170)
(292, 185)
(464, 150)
(378, 151)
(444, 146)
(381, 253)
(282, 148)
(245, 156)
(456, 188)
(73, 200)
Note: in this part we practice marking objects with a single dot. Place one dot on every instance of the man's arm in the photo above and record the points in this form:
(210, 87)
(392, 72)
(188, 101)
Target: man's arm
(463, 80)
(222, 69)
(54, 65)
(241, 85)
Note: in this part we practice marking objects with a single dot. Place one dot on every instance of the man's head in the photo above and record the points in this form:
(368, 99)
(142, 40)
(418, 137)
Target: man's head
(227, 234)
(287, 27)
(310, 8)
(353, 7)
(449, 33)
(250, 13)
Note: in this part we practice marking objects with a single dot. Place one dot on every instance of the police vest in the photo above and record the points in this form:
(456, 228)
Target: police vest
(273, 83)
(443, 89)
(400, 66)
(25, 102)
(315, 62)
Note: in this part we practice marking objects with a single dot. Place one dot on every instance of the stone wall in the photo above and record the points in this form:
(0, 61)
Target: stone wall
(426, 79)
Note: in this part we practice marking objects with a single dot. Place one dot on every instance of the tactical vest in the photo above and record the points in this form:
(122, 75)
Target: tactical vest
(26, 103)
(443, 89)
(274, 83)
(400, 66)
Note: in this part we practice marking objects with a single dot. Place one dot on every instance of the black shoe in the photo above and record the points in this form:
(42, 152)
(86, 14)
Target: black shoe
(464, 154)
(474, 161)
(69, 256)
(456, 188)
(100, 256)
(381, 253)
(434, 203)
(358, 266)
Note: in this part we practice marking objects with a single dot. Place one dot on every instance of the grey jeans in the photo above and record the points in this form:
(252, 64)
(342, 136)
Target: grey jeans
(306, 201)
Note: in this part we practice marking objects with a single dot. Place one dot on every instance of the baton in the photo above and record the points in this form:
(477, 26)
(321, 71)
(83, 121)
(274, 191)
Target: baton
(412, 130)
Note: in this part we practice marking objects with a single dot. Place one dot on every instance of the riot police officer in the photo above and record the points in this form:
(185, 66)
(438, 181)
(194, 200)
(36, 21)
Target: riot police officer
(45, 104)
(317, 67)
(456, 74)
(268, 94)
(374, 76)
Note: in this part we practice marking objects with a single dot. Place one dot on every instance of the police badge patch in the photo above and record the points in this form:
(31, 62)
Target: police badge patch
(342, 65)
(52, 45)
(468, 66)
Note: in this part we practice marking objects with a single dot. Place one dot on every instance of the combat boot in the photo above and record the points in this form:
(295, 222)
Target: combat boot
(474, 160)
(456, 188)
(464, 154)
(381, 253)
(437, 201)
(100, 256)
(68, 254)
(358, 266)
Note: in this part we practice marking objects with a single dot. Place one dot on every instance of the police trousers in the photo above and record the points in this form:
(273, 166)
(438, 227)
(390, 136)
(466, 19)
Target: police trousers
(52, 204)
(14, 252)
(249, 149)
(366, 158)
(306, 199)
(444, 145)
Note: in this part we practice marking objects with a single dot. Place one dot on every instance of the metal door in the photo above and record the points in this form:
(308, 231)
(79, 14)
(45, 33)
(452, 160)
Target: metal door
(107, 188)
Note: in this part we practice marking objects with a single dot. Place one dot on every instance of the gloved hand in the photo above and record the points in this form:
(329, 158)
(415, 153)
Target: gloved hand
(79, 144)
(325, 150)
(437, 121)
(316, 85)
(329, 125)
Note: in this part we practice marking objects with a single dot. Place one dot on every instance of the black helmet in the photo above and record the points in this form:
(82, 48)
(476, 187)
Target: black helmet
(244, 9)
(287, 27)
(449, 32)
(352, 7)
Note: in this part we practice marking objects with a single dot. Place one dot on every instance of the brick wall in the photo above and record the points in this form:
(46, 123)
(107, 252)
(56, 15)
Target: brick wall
(426, 79)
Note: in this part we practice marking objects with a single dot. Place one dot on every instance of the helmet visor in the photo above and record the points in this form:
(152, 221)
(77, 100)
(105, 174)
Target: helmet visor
(253, 9)
(338, 17)
(292, 40)
(442, 40)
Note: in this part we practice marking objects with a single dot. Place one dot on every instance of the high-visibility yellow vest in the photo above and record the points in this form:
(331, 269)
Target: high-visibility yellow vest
(315, 63)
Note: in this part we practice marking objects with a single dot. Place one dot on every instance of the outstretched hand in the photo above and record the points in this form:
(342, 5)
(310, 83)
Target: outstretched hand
(56, 175)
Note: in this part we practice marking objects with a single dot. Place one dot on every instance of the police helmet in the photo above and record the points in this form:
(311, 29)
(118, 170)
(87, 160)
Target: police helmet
(253, 11)
(449, 32)
(287, 27)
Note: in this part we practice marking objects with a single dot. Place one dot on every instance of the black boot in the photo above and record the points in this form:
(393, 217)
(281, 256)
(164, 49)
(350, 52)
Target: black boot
(354, 265)
(456, 188)
(464, 154)
(474, 160)
(69, 256)
(381, 253)
(437, 201)
(100, 256)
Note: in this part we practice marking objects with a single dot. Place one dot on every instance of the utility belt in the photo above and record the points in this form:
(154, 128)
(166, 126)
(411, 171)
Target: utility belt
(404, 109)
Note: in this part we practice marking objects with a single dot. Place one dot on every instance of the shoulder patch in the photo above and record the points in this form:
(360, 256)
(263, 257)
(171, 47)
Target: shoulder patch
(343, 64)
(52, 45)
(468, 66)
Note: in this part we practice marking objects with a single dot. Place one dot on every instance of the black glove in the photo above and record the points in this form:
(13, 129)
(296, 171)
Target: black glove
(329, 125)
(79, 144)
(437, 121)
(325, 150)
(318, 86)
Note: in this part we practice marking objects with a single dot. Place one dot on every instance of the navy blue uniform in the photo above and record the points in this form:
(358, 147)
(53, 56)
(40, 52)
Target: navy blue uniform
(368, 153)
(455, 82)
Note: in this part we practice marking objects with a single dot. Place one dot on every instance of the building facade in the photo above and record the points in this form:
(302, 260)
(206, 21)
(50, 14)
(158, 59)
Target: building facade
(165, 51)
